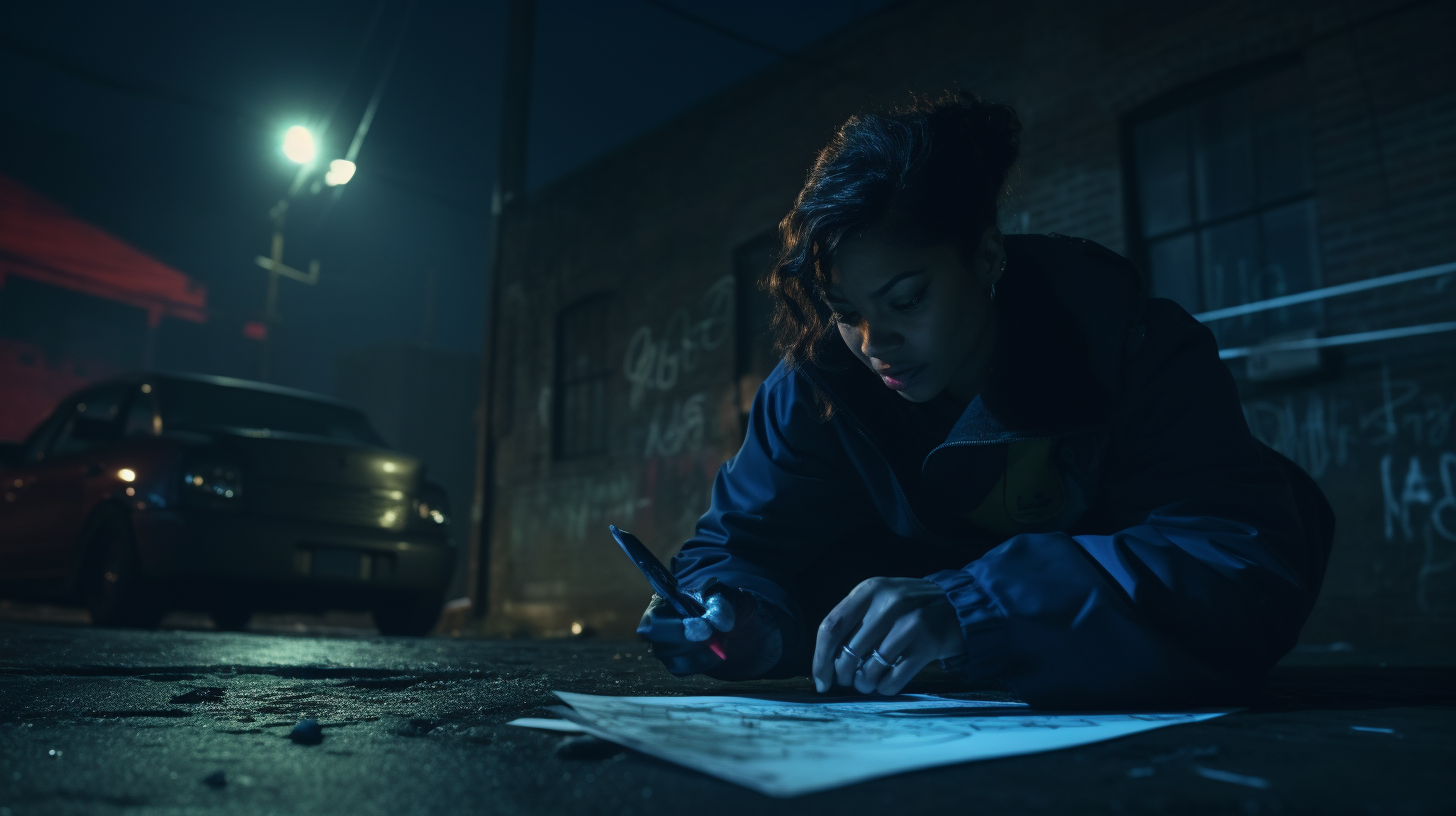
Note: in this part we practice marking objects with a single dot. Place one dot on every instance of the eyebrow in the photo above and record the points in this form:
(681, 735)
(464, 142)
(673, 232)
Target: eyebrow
(880, 292)
(890, 284)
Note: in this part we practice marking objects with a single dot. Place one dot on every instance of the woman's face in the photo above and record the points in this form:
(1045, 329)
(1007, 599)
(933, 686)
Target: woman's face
(918, 315)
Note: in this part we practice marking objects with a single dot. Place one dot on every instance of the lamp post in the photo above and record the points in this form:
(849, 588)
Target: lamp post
(300, 148)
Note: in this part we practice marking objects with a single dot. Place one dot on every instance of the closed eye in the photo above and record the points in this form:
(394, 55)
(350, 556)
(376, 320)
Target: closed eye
(909, 304)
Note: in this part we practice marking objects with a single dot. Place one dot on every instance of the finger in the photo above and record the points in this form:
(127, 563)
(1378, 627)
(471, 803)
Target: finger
(696, 629)
(846, 666)
(912, 661)
(870, 672)
(719, 614)
(661, 624)
(833, 631)
(881, 659)
(835, 627)
(887, 610)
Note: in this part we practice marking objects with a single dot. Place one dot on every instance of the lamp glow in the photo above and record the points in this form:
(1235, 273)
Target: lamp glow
(298, 145)
(126, 475)
(340, 171)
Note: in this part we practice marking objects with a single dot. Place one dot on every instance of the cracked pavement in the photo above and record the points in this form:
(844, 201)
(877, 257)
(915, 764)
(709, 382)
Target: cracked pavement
(103, 721)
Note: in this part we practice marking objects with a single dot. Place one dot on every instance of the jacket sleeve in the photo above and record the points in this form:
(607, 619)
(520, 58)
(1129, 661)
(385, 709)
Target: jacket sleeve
(1206, 580)
(786, 496)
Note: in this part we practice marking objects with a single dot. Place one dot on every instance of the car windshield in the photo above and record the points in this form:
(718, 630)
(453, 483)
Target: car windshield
(187, 405)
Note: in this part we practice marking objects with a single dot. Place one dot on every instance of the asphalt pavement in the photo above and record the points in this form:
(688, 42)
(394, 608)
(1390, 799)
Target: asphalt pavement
(103, 721)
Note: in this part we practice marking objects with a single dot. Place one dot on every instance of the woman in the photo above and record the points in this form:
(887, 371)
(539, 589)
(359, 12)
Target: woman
(989, 450)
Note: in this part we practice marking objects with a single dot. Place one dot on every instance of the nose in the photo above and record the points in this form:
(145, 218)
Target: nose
(874, 342)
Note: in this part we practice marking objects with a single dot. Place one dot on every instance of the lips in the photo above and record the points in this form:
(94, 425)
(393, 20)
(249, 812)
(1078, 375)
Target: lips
(898, 379)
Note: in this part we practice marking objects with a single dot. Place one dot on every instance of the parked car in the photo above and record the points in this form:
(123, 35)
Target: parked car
(162, 491)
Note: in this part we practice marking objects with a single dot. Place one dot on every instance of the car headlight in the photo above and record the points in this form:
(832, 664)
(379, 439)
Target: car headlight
(430, 513)
(212, 481)
(431, 507)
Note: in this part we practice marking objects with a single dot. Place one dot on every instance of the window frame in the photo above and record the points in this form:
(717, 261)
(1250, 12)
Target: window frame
(1188, 97)
(562, 381)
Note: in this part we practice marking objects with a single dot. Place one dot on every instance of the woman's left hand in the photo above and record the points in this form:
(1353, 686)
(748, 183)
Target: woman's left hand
(894, 628)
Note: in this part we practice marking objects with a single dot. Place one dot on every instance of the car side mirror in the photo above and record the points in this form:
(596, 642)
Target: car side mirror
(12, 454)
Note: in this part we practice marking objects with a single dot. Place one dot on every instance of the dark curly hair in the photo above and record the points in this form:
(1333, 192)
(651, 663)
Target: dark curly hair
(930, 171)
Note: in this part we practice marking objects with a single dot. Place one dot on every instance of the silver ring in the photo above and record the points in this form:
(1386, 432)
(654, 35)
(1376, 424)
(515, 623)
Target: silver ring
(875, 655)
(859, 661)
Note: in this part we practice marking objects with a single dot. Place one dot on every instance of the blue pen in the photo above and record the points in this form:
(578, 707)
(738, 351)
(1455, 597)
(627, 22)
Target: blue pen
(663, 582)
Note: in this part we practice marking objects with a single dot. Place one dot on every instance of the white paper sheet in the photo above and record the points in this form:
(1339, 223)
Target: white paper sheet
(564, 726)
(792, 746)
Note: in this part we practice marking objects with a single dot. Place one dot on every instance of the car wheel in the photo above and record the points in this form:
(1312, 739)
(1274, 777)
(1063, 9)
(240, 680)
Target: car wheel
(231, 619)
(408, 616)
(117, 592)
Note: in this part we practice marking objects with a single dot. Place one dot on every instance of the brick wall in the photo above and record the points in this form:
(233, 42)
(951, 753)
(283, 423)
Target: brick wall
(657, 222)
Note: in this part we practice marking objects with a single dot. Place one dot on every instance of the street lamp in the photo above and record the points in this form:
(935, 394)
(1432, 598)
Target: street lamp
(340, 171)
(298, 145)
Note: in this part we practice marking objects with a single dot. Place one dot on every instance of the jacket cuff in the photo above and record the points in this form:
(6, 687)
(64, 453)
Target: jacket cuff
(983, 625)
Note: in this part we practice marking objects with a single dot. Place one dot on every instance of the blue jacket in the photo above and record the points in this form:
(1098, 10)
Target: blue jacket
(1107, 528)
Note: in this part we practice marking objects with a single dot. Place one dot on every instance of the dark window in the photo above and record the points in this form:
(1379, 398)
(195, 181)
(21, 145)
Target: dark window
(1225, 211)
(142, 416)
(94, 420)
(582, 371)
(755, 356)
(39, 440)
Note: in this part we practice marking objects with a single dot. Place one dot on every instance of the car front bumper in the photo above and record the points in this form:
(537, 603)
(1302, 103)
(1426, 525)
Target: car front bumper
(205, 559)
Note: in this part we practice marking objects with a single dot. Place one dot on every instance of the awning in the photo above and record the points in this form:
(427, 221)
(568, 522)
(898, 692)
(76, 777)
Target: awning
(40, 240)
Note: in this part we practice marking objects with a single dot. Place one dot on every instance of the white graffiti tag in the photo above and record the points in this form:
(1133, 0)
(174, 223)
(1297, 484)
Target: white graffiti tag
(681, 430)
(1438, 534)
(655, 361)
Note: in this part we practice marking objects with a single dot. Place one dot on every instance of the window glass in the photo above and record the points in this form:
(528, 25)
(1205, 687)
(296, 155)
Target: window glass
(1240, 225)
(1281, 150)
(142, 418)
(582, 369)
(1231, 276)
(39, 441)
(1174, 263)
(1289, 264)
(92, 421)
(1224, 156)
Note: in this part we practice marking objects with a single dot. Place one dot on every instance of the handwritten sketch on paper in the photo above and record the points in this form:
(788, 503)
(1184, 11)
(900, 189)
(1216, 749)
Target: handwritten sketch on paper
(791, 746)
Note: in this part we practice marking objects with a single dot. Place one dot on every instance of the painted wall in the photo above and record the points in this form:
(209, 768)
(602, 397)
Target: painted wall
(661, 226)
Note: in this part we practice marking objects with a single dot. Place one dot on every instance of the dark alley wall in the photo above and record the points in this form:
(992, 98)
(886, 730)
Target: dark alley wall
(623, 361)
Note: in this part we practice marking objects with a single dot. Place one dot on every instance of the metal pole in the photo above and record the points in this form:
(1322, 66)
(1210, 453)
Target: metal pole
(270, 308)
(508, 196)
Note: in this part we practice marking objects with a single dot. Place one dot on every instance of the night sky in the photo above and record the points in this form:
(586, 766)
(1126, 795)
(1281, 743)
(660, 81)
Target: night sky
(162, 122)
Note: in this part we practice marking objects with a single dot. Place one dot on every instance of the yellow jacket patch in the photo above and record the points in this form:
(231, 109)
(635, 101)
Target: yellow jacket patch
(1029, 492)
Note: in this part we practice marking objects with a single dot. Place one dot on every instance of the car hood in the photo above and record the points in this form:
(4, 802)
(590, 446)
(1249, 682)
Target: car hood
(306, 459)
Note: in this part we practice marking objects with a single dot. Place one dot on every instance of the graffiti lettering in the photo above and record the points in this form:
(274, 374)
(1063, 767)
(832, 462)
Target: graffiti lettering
(1438, 534)
(1398, 508)
(681, 430)
(1321, 436)
(654, 362)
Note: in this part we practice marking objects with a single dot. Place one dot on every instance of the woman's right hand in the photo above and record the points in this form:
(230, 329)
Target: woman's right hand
(749, 640)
